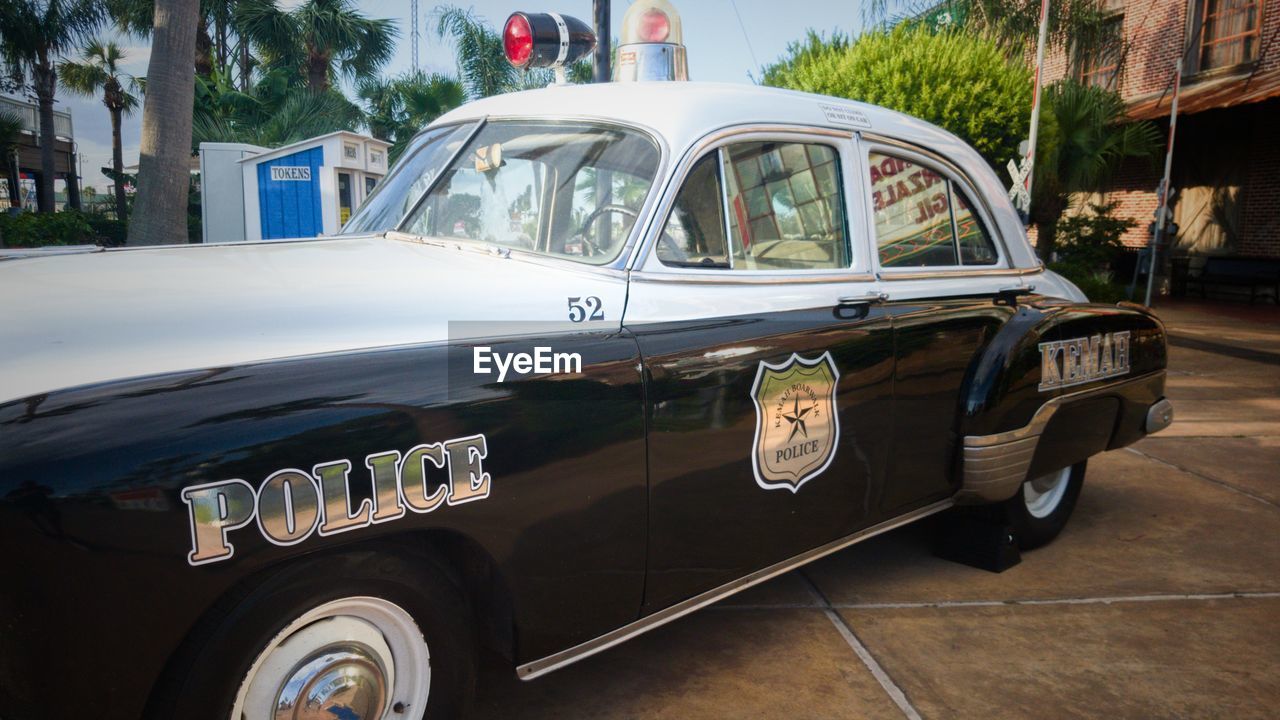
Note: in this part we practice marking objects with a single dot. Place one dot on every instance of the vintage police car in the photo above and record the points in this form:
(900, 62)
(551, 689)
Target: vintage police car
(590, 359)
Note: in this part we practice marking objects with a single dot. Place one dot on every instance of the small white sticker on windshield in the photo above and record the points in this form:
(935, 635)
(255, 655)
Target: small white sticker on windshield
(845, 115)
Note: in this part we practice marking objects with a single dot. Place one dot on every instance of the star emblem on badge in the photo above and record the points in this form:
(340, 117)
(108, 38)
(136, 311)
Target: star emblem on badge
(796, 418)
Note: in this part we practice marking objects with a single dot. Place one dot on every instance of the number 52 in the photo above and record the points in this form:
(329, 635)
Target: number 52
(588, 308)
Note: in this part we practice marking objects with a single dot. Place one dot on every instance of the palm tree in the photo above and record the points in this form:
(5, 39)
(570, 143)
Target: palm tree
(1085, 138)
(482, 63)
(297, 115)
(33, 33)
(398, 108)
(10, 126)
(99, 71)
(319, 38)
(164, 177)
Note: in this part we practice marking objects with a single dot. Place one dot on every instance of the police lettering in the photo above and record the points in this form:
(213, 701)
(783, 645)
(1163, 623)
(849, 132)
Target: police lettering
(292, 504)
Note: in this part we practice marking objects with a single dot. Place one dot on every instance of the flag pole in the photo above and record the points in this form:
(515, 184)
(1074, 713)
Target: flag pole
(1035, 102)
(1163, 202)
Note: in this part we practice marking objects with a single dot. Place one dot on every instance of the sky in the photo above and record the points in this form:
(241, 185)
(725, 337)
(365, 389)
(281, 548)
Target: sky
(720, 48)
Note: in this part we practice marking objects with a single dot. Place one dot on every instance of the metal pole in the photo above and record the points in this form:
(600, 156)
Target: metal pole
(604, 44)
(1035, 100)
(1162, 207)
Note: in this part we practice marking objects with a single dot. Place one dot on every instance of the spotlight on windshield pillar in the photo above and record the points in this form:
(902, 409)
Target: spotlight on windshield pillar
(652, 45)
(546, 40)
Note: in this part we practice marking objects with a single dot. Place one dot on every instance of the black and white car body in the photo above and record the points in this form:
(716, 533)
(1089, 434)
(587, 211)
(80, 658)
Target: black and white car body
(235, 479)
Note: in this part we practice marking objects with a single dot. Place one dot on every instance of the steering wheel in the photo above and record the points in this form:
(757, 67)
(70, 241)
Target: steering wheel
(591, 218)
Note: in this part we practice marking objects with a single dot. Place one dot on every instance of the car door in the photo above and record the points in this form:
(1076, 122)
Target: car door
(768, 360)
(941, 266)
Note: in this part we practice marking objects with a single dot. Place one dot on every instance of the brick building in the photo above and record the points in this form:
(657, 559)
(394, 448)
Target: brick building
(1227, 154)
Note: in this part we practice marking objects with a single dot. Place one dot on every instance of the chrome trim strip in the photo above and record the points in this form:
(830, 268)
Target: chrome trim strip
(722, 278)
(537, 668)
(888, 274)
(994, 466)
(681, 168)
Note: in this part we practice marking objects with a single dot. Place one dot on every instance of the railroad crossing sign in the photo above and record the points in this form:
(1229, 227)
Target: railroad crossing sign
(1018, 191)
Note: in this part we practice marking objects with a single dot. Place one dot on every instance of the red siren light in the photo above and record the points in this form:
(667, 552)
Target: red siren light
(654, 26)
(546, 40)
(517, 40)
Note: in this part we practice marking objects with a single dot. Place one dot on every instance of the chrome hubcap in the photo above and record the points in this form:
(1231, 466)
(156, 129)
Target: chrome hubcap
(345, 681)
(1043, 494)
(358, 658)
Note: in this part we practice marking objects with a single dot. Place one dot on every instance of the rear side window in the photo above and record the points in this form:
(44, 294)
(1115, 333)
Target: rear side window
(924, 219)
(760, 206)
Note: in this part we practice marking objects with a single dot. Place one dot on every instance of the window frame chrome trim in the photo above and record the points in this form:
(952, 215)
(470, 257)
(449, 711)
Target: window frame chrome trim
(478, 122)
(781, 132)
(638, 230)
(952, 174)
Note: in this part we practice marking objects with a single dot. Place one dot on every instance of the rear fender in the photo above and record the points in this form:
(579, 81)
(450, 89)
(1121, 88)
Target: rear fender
(1059, 383)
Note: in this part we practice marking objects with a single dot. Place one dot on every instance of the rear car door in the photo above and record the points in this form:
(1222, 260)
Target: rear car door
(941, 267)
(769, 360)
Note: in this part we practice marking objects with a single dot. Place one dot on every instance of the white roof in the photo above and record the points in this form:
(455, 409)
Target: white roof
(681, 113)
(312, 142)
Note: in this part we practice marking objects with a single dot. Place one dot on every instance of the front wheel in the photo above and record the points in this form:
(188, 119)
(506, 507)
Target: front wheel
(367, 636)
(1042, 506)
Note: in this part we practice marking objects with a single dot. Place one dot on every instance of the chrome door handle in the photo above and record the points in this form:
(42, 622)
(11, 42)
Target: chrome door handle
(866, 299)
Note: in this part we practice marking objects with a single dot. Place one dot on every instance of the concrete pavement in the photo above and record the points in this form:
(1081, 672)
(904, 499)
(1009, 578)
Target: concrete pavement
(1160, 599)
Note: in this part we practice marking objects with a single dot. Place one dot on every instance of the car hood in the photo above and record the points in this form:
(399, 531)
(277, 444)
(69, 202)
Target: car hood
(75, 319)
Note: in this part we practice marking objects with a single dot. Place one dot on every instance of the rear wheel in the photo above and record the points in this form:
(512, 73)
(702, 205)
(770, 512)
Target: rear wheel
(368, 636)
(1042, 506)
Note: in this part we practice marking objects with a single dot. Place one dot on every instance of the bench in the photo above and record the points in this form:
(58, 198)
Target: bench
(1254, 273)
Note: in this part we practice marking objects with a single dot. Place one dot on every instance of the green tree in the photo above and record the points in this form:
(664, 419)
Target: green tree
(321, 39)
(1085, 137)
(962, 83)
(274, 120)
(99, 72)
(397, 108)
(1077, 25)
(482, 62)
(33, 34)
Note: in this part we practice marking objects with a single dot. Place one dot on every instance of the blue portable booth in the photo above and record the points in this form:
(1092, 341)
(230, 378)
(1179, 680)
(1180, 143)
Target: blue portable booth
(312, 187)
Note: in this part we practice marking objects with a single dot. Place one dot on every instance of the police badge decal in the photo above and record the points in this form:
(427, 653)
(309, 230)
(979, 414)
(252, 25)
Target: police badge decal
(797, 427)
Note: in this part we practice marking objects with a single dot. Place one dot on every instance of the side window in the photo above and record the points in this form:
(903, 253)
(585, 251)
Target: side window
(922, 219)
(785, 210)
(694, 234)
(976, 247)
(786, 207)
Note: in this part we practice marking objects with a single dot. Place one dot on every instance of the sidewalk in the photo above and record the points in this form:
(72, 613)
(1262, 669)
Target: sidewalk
(1160, 599)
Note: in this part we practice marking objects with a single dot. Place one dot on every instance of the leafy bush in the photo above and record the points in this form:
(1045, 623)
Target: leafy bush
(108, 230)
(28, 229)
(1092, 239)
(1099, 286)
(1088, 245)
(960, 82)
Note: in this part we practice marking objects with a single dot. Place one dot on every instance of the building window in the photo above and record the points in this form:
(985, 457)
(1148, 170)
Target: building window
(1101, 65)
(1230, 33)
(350, 152)
(375, 157)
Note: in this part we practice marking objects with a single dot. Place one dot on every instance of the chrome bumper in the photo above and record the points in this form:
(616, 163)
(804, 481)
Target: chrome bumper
(995, 466)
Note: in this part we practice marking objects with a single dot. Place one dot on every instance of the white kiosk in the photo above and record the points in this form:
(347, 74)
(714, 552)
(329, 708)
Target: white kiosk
(305, 189)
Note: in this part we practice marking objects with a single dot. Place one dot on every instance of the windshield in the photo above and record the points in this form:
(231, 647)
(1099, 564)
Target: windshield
(569, 190)
(412, 174)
